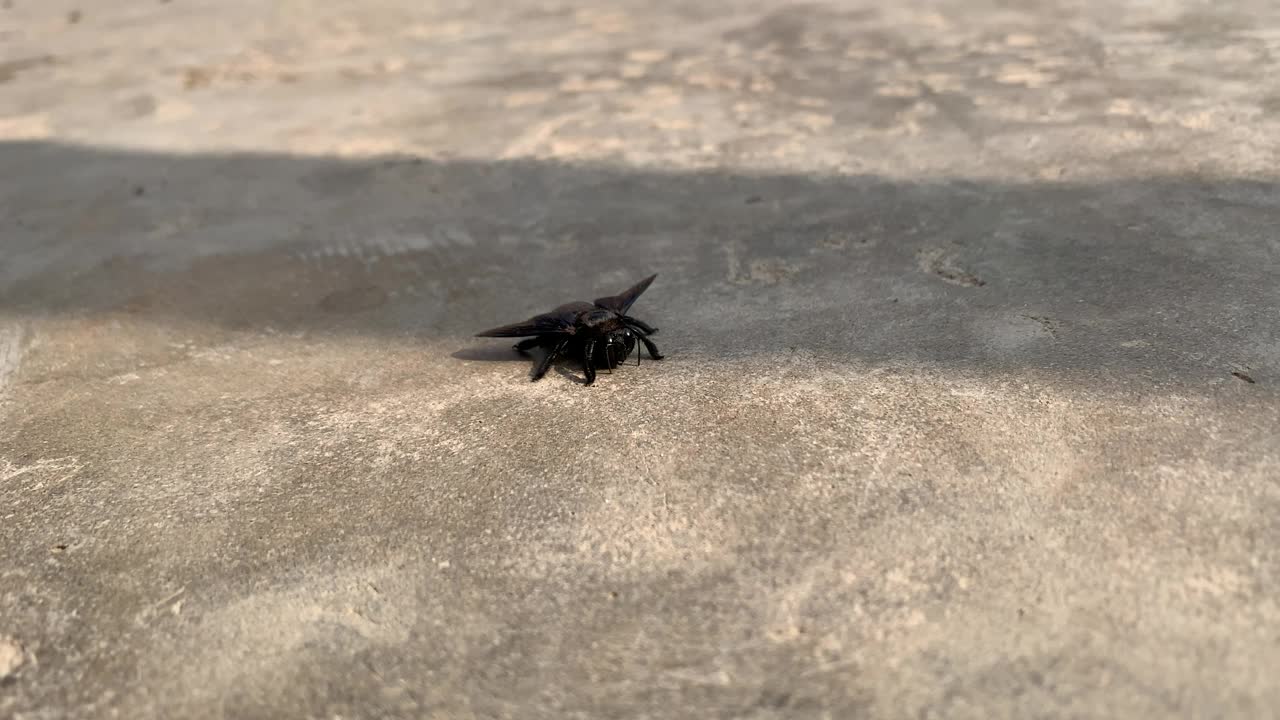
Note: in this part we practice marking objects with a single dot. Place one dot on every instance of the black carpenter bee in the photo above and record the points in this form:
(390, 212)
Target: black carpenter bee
(600, 333)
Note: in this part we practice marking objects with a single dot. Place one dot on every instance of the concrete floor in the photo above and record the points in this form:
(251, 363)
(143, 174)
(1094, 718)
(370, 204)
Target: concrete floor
(971, 405)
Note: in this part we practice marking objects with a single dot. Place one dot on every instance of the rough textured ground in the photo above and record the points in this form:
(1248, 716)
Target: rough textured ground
(971, 405)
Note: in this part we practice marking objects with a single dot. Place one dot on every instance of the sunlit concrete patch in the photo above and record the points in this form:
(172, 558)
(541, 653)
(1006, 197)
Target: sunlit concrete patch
(969, 407)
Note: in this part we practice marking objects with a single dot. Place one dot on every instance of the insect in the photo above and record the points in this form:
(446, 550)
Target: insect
(601, 334)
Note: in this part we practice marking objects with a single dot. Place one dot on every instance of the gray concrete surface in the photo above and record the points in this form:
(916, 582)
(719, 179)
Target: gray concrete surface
(970, 409)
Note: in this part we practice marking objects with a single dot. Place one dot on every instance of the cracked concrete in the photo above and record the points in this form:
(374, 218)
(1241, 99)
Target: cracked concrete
(970, 407)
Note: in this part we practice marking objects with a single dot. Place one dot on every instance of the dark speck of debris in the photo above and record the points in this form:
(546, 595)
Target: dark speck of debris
(195, 78)
(74, 17)
(774, 699)
(893, 300)
(754, 199)
(60, 547)
(139, 191)
(959, 277)
(933, 261)
(10, 69)
(1243, 376)
(1049, 324)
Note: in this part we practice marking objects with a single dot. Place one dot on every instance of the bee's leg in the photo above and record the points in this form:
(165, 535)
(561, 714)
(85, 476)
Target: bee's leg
(588, 363)
(648, 345)
(545, 363)
(523, 346)
(640, 325)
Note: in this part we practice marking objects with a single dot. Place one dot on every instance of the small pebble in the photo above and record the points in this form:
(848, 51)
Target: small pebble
(12, 656)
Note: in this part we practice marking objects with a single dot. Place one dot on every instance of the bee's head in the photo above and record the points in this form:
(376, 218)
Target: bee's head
(620, 343)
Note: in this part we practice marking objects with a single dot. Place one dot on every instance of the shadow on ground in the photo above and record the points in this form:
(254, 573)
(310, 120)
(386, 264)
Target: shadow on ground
(1157, 277)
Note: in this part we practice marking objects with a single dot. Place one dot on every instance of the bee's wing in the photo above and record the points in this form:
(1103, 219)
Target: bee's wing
(621, 303)
(561, 321)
